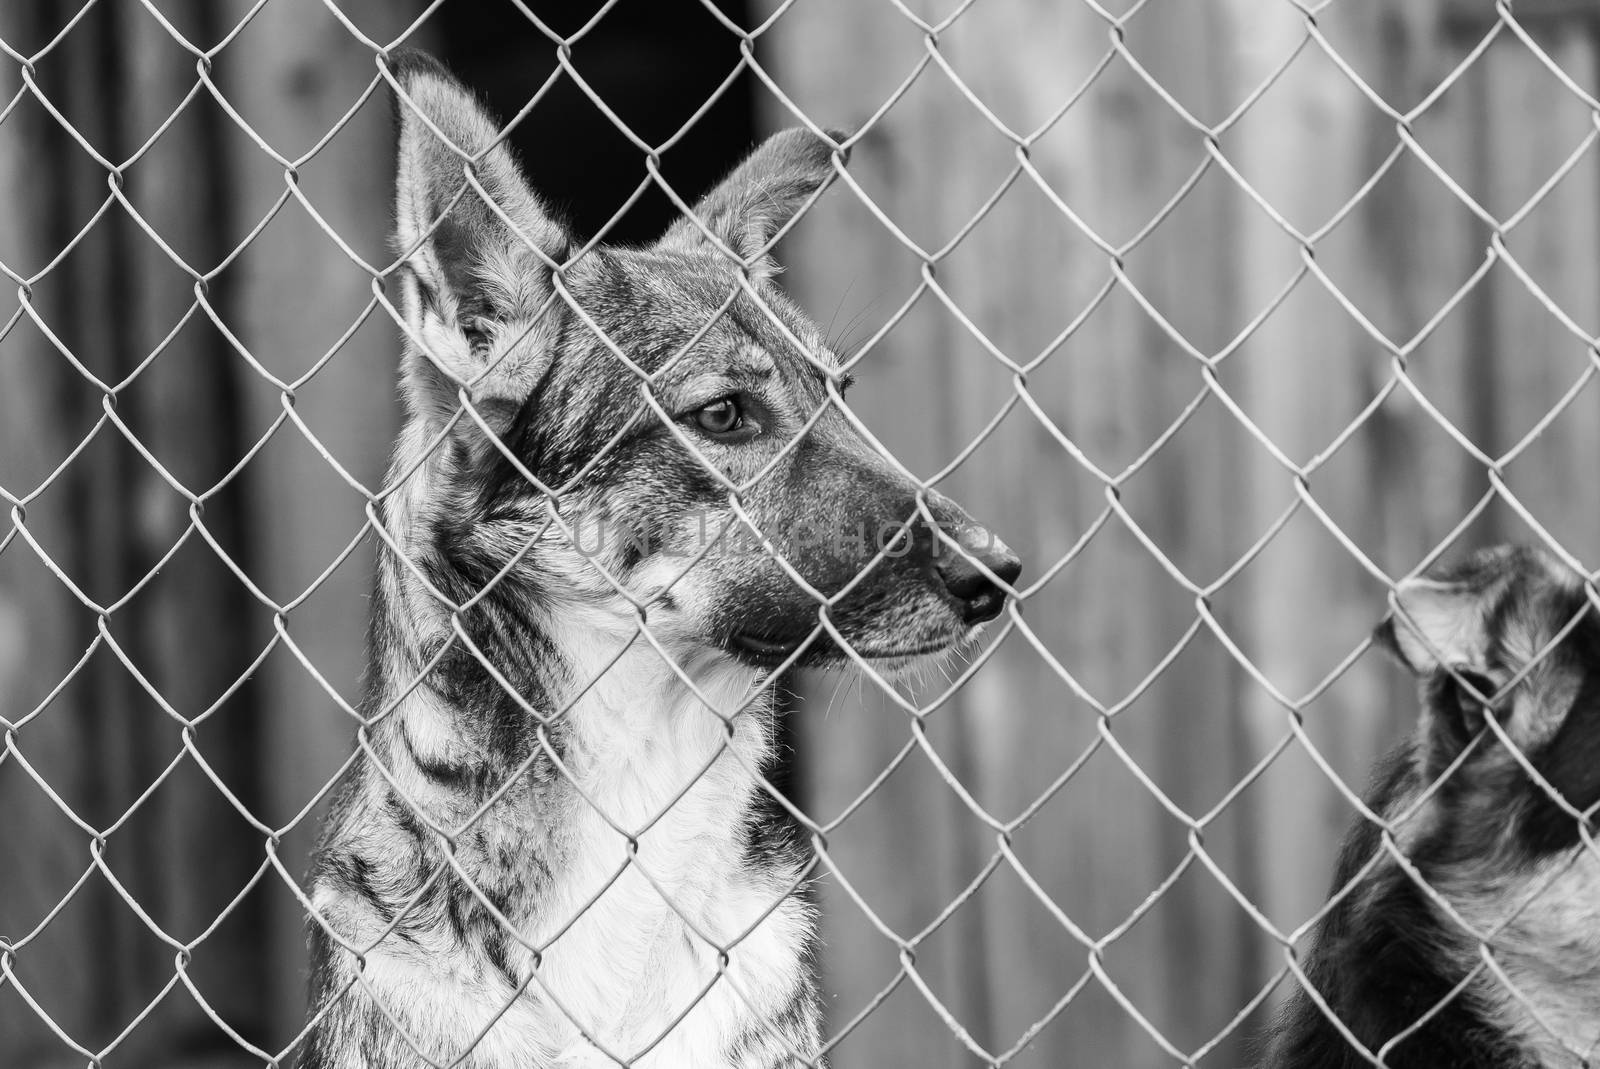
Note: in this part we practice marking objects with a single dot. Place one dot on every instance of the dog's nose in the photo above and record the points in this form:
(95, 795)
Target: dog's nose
(979, 598)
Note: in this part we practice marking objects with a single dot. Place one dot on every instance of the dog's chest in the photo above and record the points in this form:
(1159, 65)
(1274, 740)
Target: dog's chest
(657, 875)
(1548, 958)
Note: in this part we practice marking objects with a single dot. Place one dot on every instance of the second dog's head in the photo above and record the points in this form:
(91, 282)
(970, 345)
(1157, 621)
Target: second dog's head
(657, 428)
(1509, 634)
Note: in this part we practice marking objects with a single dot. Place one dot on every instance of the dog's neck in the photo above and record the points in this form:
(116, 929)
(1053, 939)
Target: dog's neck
(562, 718)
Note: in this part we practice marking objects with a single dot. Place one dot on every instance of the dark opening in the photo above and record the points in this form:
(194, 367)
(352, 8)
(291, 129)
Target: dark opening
(654, 64)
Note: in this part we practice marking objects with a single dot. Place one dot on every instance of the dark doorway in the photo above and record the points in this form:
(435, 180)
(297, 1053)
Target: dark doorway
(654, 63)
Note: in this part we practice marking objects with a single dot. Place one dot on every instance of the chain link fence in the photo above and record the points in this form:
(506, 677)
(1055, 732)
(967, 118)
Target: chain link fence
(1227, 317)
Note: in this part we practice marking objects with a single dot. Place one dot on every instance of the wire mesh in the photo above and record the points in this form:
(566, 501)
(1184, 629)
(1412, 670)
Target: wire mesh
(1125, 537)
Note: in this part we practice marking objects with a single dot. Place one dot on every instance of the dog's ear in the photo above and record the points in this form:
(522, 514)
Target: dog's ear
(1435, 623)
(479, 307)
(747, 209)
(1484, 635)
(1439, 624)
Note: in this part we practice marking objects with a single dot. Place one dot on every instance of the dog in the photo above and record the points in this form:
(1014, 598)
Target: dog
(1483, 948)
(558, 847)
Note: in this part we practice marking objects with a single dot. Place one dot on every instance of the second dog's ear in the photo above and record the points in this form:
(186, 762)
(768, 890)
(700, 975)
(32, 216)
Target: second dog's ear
(1435, 623)
(476, 293)
(747, 209)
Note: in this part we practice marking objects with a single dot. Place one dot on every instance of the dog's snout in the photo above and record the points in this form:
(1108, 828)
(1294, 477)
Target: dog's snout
(978, 596)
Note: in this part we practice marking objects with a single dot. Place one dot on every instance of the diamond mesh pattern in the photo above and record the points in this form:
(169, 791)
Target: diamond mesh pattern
(1231, 319)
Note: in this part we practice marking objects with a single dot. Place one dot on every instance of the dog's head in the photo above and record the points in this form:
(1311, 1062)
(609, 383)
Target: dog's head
(657, 429)
(1508, 634)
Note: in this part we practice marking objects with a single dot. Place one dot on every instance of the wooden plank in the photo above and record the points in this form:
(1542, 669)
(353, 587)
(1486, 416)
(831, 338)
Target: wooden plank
(89, 966)
(1303, 375)
(1534, 123)
(908, 827)
(196, 630)
(39, 636)
(1477, 16)
(296, 72)
(108, 520)
(1113, 388)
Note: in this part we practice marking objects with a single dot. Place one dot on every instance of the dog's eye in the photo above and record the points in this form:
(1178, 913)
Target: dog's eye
(725, 418)
(477, 330)
(1469, 707)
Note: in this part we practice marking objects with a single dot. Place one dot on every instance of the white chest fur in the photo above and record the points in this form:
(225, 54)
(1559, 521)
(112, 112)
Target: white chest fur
(658, 915)
(1549, 954)
(655, 932)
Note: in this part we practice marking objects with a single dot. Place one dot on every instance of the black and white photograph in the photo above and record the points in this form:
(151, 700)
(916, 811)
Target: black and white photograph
(799, 534)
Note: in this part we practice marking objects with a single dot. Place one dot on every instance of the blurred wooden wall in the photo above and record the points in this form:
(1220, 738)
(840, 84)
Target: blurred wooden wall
(1175, 954)
(109, 519)
(299, 296)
